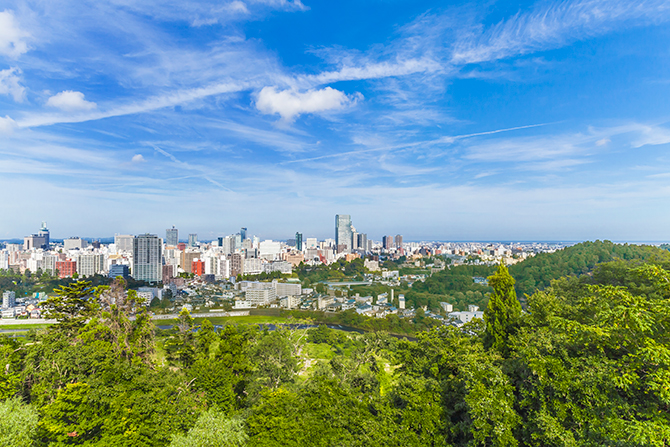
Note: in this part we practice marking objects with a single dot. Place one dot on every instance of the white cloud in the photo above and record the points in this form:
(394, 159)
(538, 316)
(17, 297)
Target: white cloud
(290, 103)
(69, 100)
(7, 125)
(288, 5)
(12, 38)
(603, 142)
(553, 27)
(9, 84)
(652, 135)
(138, 158)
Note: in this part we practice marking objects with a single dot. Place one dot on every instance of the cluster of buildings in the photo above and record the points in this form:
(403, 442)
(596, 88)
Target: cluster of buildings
(152, 259)
(27, 307)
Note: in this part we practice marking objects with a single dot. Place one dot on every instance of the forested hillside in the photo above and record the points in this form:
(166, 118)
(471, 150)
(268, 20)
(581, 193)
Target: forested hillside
(587, 365)
(456, 286)
(538, 271)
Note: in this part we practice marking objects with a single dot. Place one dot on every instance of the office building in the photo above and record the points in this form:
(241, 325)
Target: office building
(171, 237)
(119, 270)
(398, 241)
(387, 242)
(362, 242)
(243, 233)
(343, 232)
(74, 243)
(147, 258)
(124, 242)
(192, 240)
(39, 240)
(298, 241)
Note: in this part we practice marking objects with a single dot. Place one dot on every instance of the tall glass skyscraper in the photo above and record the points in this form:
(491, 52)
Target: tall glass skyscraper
(298, 241)
(192, 240)
(343, 231)
(172, 236)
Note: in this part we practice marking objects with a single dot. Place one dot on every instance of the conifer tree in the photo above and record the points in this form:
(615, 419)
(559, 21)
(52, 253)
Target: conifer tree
(503, 310)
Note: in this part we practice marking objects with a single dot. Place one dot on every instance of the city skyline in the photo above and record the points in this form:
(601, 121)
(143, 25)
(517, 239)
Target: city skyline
(506, 121)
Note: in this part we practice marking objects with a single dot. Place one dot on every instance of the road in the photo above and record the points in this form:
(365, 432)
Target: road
(234, 313)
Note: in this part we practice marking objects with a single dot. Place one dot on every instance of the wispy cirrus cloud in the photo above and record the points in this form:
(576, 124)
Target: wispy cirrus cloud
(553, 25)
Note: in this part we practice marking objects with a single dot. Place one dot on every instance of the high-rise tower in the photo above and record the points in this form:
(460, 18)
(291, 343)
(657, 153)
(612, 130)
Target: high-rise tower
(172, 236)
(343, 231)
(147, 258)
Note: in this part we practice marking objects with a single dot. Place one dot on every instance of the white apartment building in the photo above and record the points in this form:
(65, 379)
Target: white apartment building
(89, 264)
(288, 289)
(8, 299)
(261, 297)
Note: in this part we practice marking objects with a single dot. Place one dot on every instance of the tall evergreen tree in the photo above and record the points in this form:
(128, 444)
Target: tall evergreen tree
(504, 309)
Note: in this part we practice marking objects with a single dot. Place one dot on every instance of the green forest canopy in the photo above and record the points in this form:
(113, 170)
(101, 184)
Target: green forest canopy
(587, 365)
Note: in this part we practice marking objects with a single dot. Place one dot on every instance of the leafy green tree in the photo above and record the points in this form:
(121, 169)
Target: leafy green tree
(503, 310)
(213, 429)
(18, 423)
(181, 347)
(11, 353)
(70, 305)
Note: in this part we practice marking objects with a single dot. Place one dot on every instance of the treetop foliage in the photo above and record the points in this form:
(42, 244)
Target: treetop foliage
(587, 364)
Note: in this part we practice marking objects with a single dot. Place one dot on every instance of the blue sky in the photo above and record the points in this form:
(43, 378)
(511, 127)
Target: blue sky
(436, 120)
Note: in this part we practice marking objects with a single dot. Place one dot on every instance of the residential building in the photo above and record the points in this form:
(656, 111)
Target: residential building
(398, 241)
(8, 299)
(89, 264)
(147, 258)
(288, 289)
(253, 266)
(198, 267)
(387, 242)
(187, 258)
(261, 297)
(278, 266)
(236, 264)
(66, 268)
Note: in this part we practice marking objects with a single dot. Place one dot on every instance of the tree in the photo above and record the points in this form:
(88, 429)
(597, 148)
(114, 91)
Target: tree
(213, 429)
(503, 310)
(181, 346)
(70, 306)
(18, 423)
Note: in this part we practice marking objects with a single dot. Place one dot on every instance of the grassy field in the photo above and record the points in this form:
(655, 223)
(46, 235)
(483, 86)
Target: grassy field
(22, 327)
